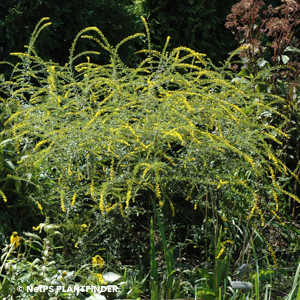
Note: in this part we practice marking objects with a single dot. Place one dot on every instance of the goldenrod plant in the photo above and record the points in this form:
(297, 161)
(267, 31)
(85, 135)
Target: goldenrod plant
(96, 142)
(104, 133)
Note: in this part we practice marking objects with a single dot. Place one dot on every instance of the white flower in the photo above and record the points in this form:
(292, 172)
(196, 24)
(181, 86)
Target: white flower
(96, 297)
(111, 276)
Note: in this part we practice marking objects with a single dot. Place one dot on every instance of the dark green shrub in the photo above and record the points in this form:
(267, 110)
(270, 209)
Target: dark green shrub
(18, 19)
(196, 24)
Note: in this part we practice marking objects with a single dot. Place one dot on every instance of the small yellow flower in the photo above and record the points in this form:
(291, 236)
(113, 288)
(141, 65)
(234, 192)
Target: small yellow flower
(63, 275)
(14, 239)
(36, 228)
(98, 260)
(83, 226)
(100, 278)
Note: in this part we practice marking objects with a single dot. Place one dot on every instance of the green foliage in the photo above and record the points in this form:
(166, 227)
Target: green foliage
(153, 285)
(37, 261)
(22, 268)
(170, 286)
(18, 215)
(296, 287)
(35, 267)
(168, 253)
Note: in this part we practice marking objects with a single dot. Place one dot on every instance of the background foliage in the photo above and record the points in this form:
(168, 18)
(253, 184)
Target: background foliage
(18, 19)
(268, 39)
(195, 24)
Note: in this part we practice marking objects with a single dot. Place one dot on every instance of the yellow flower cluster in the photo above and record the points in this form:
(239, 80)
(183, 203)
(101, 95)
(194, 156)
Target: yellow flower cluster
(100, 278)
(223, 248)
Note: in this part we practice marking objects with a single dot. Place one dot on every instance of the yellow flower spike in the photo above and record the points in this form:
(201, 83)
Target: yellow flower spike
(69, 170)
(101, 203)
(36, 228)
(128, 196)
(221, 252)
(158, 192)
(39, 144)
(223, 218)
(14, 240)
(222, 183)
(223, 248)
(92, 188)
(98, 260)
(39, 205)
(272, 252)
(74, 199)
(173, 208)
(111, 208)
(112, 170)
(63, 208)
(3, 196)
